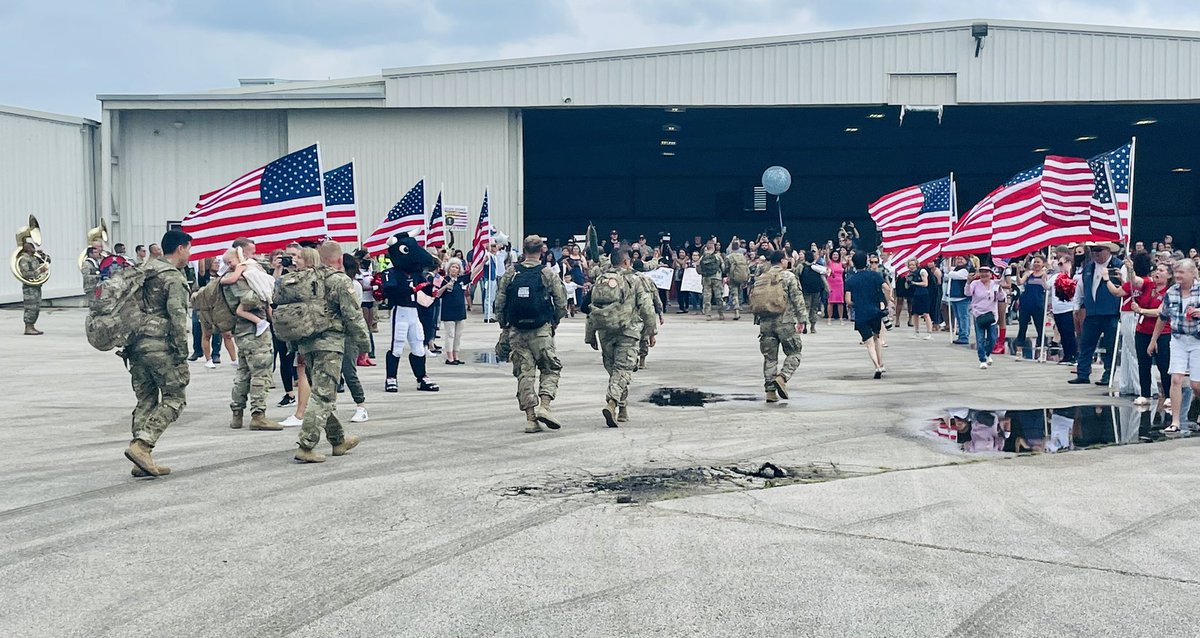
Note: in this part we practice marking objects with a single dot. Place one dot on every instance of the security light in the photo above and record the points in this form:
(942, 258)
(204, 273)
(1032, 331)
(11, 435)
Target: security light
(1085, 138)
(1181, 170)
(1145, 121)
(851, 129)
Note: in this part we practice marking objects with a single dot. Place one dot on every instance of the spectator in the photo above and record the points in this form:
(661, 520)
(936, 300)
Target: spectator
(350, 353)
(493, 268)
(1147, 290)
(921, 283)
(1063, 306)
(960, 273)
(1101, 308)
(1181, 309)
(812, 284)
(453, 293)
(985, 295)
(1031, 305)
(837, 297)
(680, 264)
(865, 293)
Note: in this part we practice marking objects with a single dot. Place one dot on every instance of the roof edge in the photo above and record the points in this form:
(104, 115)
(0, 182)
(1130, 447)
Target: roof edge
(48, 117)
(281, 91)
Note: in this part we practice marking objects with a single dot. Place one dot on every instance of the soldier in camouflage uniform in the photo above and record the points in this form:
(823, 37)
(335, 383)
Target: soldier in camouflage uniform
(535, 362)
(255, 352)
(91, 273)
(619, 346)
(644, 343)
(31, 295)
(712, 269)
(157, 359)
(782, 330)
(323, 357)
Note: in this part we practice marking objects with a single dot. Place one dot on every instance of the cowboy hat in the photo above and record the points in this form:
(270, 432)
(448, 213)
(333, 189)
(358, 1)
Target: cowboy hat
(1104, 244)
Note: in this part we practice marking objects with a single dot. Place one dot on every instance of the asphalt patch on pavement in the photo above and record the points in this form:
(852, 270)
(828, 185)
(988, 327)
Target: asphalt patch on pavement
(692, 397)
(667, 483)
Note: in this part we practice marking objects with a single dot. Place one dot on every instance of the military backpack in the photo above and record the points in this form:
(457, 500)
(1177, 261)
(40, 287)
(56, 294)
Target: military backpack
(528, 305)
(768, 298)
(710, 265)
(118, 316)
(211, 299)
(610, 297)
(300, 309)
(739, 269)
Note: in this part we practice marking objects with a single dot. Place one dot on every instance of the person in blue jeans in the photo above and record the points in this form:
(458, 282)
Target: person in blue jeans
(1103, 310)
(958, 275)
(1032, 307)
(985, 295)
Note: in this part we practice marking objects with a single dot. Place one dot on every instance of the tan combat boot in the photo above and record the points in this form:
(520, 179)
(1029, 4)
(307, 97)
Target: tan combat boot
(138, 453)
(235, 423)
(772, 397)
(347, 444)
(30, 329)
(259, 421)
(543, 414)
(622, 414)
(531, 422)
(309, 456)
(138, 472)
(610, 413)
(642, 362)
(781, 386)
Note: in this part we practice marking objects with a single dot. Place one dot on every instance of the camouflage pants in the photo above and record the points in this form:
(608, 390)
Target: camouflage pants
(644, 347)
(774, 332)
(32, 302)
(813, 301)
(620, 353)
(323, 369)
(253, 378)
(535, 365)
(159, 384)
(735, 298)
(713, 287)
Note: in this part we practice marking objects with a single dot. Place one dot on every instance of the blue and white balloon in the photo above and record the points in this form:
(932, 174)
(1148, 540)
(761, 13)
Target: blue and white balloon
(776, 180)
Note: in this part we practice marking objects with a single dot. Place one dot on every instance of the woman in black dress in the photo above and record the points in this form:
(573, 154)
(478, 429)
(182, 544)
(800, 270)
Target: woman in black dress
(453, 294)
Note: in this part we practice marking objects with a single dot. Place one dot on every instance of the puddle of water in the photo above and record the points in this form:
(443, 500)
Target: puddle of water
(490, 358)
(692, 397)
(1052, 430)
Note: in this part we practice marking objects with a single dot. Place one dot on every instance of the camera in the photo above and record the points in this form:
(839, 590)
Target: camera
(286, 261)
(1114, 274)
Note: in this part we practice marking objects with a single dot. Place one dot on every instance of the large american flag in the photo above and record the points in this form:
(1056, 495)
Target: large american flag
(408, 215)
(341, 210)
(1110, 197)
(273, 205)
(972, 233)
(1067, 184)
(483, 236)
(436, 238)
(1019, 224)
(915, 222)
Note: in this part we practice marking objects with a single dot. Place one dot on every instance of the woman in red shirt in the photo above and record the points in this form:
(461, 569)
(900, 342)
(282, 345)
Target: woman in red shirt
(1147, 298)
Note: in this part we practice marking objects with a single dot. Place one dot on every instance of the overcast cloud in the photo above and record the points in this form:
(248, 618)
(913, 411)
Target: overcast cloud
(58, 54)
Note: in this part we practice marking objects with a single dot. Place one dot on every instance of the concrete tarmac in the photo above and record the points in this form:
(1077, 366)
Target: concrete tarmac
(448, 521)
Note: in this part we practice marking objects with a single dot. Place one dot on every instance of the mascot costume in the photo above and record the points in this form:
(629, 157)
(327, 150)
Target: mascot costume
(401, 284)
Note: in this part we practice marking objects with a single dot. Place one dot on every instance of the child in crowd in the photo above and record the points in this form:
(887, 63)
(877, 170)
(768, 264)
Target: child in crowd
(570, 286)
(263, 285)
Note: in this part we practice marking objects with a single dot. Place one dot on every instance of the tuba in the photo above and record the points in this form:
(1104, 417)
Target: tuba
(99, 233)
(31, 232)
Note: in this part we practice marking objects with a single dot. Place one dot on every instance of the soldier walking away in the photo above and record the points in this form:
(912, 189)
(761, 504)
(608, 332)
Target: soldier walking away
(31, 270)
(255, 351)
(157, 358)
(712, 269)
(739, 275)
(644, 342)
(622, 313)
(779, 307)
(333, 320)
(530, 301)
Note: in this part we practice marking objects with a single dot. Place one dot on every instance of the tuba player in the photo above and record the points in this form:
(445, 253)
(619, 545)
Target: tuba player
(32, 269)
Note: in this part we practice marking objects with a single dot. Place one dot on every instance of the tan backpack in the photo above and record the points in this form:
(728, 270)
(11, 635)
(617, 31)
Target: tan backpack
(300, 307)
(211, 299)
(768, 298)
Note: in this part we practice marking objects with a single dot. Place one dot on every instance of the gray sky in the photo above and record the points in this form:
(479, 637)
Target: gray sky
(60, 53)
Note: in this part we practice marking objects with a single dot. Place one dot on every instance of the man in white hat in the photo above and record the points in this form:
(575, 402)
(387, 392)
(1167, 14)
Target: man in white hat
(1102, 310)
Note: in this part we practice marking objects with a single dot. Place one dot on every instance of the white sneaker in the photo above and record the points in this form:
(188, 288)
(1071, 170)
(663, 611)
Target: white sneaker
(1141, 401)
(927, 337)
(262, 326)
(292, 422)
(210, 365)
(233, 362)
(360, 416)
(983, 366)
(989, 360)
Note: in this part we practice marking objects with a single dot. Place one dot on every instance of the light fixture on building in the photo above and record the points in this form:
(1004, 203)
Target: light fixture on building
(1041, 150)
(675, 109)
(1085, 138)
(851, 129)
(1145, 121)
(667, 143)
(668, 154)
(177, 124)
(876, 116)
(671, 128)
(1181, 170)
(979, 31)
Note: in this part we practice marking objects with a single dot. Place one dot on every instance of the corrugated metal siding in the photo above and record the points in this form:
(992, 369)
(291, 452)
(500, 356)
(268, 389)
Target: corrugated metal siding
(162, 169)
(465, 150)
(1016, 65)
(922, 89)
(46, 169)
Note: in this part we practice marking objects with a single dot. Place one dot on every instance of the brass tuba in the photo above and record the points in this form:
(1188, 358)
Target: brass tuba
(31, 232)
(99, 233)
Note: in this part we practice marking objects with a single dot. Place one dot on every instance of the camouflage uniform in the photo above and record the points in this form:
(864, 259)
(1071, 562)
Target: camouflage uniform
(644, 344)
(158, 362)
(735, 288)
(713, 286)
(323, 358)
(255, 353)
(532, 351)
(620, 348)
(31, 296)
(91, 278)
(780, 330)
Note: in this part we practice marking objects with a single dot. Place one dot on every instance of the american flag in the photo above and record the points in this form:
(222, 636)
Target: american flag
(1067, 184)
(1019, 224)
(483, 236)
(341, 211)
(919, 226)
(437, 226)
(408, 215)
(972, 233)
(1113, 171)
(273, 205)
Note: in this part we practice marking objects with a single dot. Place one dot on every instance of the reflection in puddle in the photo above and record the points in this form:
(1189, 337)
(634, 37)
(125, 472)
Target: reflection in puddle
(1052, 430)
(489, 358)
(691, 397)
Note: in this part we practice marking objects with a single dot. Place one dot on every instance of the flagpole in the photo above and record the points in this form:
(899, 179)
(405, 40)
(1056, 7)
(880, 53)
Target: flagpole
(1129, 230)
(1122, 234)
(357, 204)
(321, 185)
(953, 322)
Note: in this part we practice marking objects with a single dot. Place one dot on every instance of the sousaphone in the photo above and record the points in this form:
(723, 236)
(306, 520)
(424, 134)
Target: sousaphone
(99, 233)
(31, 232)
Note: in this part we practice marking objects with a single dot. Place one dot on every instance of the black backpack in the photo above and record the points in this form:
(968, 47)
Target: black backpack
(528, 306)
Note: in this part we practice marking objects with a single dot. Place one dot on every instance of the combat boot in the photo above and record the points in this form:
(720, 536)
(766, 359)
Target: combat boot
(347, 444)
(642, 362)
(235, 423)
(622, 414)
(543, 414)
(30, 329)
(259, 421)
(138, 472)
(772, 397)
(531, 422)
(781, 386)
(309, 456)
(721, 316)
(610, 413)
(138, 453)
(737, 314)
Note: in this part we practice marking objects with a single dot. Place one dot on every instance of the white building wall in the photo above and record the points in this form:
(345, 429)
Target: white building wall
(466, 150)
(46, 169)
(166, 159)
